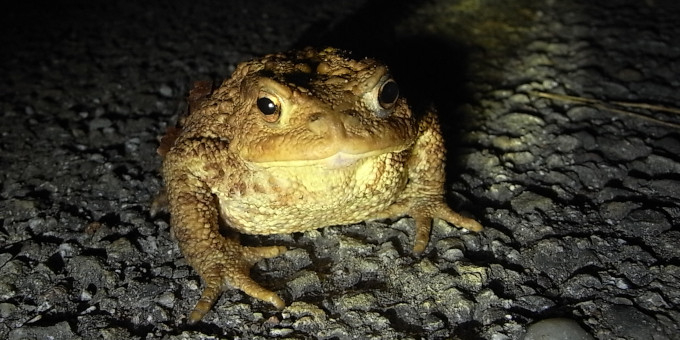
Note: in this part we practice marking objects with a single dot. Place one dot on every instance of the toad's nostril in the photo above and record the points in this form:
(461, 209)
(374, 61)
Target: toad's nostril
(326, 125)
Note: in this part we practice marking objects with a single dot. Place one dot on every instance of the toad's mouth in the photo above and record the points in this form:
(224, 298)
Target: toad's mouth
(330, 140)
(338, 160)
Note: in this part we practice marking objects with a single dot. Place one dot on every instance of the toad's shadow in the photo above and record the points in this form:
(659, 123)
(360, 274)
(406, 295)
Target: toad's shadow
(430, 69)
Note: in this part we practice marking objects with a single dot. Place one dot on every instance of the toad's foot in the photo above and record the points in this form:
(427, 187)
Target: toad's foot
(423, 216)
(230, 268)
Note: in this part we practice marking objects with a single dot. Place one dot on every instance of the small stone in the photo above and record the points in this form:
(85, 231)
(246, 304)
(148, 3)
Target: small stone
(304, 283)
(656, 165)
(61, 330)
(501, 192)
(629, 320)
(279, 332)
(121, 249)
(7, 291)
(361, 302)
(629, 74)
(519, 158)
(166, 300)
(556, 329)
(432, 323)
(453, 255)
(6, 309)
(506, 143)
(582, 113)
(166, 91)
(651, 301)
(516, 124)
(649, 222)
(520, 98)
(99, 123)
(85, 295)
(528, 202)
(114, 333)
(616, 211)
(618, 149)
(580, 286)
(566, 143)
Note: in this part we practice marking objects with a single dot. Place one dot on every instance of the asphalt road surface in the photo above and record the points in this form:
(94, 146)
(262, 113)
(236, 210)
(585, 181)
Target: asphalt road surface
(562, 121)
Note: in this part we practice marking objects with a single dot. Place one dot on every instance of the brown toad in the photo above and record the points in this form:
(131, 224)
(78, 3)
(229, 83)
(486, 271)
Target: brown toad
(292, 142)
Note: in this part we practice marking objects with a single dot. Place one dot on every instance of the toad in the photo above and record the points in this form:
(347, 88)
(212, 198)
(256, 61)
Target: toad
(292, 142)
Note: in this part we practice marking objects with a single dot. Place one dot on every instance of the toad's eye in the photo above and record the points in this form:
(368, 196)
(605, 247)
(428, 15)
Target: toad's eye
(383, 97)
(269, 107)
(388, 95)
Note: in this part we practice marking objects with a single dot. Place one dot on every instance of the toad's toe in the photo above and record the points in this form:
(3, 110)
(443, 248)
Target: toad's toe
(254, 254)
(223, 272)
(445, 213)
(423, 216)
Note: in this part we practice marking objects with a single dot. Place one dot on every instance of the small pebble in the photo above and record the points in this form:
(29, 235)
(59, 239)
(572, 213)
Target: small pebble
(166, 91)
(556, 329)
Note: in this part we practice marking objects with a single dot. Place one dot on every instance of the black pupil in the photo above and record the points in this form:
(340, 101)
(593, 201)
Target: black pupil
(266, 105)
(389, 92)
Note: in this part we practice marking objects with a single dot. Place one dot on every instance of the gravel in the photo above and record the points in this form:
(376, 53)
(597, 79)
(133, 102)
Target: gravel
(576, 183)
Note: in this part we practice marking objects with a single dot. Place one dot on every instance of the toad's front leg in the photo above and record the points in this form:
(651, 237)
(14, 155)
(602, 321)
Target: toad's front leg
(221, 262)
(423, 197)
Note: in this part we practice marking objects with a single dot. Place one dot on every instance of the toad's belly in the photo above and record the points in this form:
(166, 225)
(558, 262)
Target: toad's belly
(285, 200)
